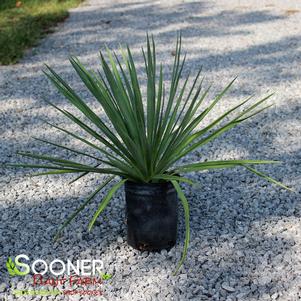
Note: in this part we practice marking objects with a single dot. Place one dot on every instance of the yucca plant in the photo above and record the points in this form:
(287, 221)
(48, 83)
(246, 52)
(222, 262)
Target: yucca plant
(147, 135)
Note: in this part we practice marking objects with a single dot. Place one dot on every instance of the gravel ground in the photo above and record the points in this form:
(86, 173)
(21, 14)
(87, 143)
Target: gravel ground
(245, 233)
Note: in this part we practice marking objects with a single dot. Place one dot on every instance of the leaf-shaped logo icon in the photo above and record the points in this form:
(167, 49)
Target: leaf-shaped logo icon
(10, 266)
(12, 269)
(106, 276)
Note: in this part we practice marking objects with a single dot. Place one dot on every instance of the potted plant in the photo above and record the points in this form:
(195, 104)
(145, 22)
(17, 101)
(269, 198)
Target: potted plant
(144, 142)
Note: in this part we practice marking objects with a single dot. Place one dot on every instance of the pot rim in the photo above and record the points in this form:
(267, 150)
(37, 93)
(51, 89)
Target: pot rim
(164, 182)
(133, 183)
(149, 188)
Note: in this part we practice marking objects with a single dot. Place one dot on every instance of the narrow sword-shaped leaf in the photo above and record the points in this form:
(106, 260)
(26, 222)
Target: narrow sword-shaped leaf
(68, 149)
(187, 225)
(219, 164)
(75, 170)
(215, 134)
(81, 175)
(123, 152)
(105, 202)
(82, 206)
(54, 160)
(266, 177)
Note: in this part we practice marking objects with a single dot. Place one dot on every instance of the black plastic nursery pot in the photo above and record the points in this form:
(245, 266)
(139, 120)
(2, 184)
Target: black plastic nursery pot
(152, 215)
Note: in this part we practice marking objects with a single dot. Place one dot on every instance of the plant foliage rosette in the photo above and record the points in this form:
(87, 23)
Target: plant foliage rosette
(147, 135)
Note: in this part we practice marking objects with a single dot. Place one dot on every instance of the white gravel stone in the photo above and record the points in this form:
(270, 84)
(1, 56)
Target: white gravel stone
(228, 288)
(2, 287)
(120, 239)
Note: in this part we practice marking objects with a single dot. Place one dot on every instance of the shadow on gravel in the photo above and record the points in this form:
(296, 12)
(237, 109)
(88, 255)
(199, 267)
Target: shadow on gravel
(229, 213)
(166, 19)
(87, 32)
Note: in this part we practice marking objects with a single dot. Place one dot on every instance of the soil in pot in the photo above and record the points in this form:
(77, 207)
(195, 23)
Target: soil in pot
(152, 214)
